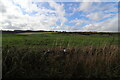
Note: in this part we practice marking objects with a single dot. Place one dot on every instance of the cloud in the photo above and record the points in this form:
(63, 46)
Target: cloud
(95, 0)
(110, 25)
(100, 17)
(19, 14)
(37, 15)
(95, 16)
(2, 8)
(85, 6)
(97, 10)
(59, 11)
(78, 22)
(69, 28)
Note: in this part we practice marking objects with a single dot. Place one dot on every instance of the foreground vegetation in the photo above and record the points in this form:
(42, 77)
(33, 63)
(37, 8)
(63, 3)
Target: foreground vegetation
(51, 55)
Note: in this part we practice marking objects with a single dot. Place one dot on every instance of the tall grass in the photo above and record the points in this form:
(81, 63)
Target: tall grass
(60, 56)
(76, 62)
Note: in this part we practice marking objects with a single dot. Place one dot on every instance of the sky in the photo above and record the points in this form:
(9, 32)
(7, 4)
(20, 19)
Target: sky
(58, 16)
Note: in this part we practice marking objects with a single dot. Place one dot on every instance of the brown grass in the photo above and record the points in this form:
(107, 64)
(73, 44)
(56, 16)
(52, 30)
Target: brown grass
(76, 62)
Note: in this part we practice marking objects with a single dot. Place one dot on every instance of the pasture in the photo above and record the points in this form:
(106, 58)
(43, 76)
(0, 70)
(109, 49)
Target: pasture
(42, 55)
(53, 39)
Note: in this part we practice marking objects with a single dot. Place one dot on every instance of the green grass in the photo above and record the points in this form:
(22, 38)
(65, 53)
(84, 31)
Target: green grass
(54, 39)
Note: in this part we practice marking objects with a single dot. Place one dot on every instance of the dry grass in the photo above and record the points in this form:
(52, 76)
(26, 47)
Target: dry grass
(76, 62)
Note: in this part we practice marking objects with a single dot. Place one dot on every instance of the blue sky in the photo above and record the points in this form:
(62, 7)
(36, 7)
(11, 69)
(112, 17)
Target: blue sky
(67, 16)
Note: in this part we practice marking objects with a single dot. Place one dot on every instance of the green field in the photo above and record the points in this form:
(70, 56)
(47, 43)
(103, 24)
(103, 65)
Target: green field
(49, 39)
(41, 55)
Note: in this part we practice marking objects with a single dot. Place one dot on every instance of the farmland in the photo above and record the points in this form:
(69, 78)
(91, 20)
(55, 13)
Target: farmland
(49, 39)
(42, 55)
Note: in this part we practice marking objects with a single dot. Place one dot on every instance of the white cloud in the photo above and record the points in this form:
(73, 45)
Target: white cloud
(110, 25)
(2, 7)
(85, 6)
(13, 17)
(59, 11)
(26, 4)
(58, 27)
(96, 10)
(95, 16)
(95, 0)
(69, 28)
(95, 13)
(77, 22)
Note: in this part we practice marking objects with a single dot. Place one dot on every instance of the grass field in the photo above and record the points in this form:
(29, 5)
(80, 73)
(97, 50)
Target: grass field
(49, 39)
(50, 55)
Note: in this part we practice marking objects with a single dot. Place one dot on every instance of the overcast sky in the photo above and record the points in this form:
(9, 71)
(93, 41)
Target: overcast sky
(68, 16)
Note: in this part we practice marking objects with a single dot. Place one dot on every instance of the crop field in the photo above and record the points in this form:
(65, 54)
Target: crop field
(58, 55)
